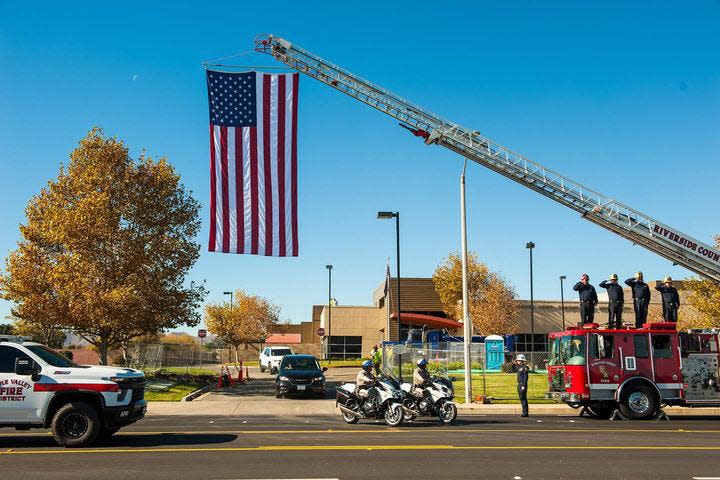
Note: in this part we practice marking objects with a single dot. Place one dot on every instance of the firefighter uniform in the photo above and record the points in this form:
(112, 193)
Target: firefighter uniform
(588, 300)
(670, 300)
(523, 374)
(616, 299)
(641, 298)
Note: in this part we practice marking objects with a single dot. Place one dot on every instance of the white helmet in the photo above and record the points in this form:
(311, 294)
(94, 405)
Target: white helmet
(520, 358)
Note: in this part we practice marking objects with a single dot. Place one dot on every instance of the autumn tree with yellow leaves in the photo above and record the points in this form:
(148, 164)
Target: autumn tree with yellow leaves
(705, 299)
(105, 249)
(491, 299)
(248, 319)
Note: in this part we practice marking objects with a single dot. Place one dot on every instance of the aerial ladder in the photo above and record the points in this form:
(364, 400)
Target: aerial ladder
(610, 214)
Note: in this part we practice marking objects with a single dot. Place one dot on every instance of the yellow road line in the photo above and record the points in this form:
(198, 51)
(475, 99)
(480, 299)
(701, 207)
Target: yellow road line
(287, 448)
(383, 430)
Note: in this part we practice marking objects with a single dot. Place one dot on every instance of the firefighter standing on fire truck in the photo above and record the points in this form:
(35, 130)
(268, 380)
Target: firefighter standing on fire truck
(641, 298)
(670, 299)
(588, 298)
(616, 299)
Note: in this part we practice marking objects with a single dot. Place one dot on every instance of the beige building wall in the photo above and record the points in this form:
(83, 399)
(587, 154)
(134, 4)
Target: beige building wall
(360, 321)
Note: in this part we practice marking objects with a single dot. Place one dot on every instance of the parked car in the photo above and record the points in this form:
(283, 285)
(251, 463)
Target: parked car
(300, 374)
(271, 357)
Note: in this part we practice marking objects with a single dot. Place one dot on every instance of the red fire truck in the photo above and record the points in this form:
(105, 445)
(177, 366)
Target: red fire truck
(636, 370)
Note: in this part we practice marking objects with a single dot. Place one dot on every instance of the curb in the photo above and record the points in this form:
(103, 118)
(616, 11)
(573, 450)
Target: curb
(193, 395)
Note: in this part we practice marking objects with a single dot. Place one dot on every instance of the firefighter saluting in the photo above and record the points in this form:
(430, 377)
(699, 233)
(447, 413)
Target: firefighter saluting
(616, 299)
(588, 299)
(670, 299)
(641, 298)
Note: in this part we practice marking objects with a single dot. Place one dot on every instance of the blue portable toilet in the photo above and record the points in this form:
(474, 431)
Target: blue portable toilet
(494, 352)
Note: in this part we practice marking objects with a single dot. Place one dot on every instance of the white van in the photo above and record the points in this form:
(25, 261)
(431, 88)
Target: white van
(39, 388)
(271, 357)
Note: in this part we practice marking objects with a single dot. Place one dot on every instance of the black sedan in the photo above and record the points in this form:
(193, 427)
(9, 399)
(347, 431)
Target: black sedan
(300, 374)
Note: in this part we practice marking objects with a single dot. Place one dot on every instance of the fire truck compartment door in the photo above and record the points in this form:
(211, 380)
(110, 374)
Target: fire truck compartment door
(604, 366)
(666, 365)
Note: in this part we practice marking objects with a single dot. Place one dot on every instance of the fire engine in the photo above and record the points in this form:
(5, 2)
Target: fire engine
(635, 371)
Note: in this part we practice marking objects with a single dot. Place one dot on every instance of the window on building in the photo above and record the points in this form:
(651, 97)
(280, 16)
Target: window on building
(524, 342)
(641, 346)
(342, 347)
(601, 346)
(662, 346)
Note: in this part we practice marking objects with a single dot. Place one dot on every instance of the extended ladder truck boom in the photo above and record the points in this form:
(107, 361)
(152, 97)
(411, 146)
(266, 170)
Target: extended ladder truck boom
(627, 222)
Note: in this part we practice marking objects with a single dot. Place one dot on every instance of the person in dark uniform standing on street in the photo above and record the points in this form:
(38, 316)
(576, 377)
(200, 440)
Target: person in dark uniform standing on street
(670, 300)
(616, 299)
(588, 299)
(523, 374)
(641, 298)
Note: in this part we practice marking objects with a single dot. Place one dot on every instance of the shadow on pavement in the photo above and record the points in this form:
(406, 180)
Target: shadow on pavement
(124, 440)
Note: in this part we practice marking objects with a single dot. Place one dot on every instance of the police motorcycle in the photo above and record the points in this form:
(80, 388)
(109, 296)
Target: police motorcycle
(383, 401)
(435, 399)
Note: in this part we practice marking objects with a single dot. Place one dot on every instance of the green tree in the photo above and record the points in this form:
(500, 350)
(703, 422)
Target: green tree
(6, 329)
(491, 299)
(106, 248)
(705, 299)
(249, 319)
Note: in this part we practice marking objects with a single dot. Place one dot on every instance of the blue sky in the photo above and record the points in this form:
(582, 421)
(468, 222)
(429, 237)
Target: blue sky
(623, 97)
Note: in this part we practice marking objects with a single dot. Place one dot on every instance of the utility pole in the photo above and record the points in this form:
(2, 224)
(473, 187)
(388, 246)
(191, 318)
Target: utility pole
(327, 352)
(530, 246)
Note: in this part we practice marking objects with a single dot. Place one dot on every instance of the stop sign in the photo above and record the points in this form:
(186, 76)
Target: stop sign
(321, 332)
(202, 333)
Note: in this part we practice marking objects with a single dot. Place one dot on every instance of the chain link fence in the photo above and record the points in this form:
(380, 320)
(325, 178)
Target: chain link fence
(498, 384)
(180, 358)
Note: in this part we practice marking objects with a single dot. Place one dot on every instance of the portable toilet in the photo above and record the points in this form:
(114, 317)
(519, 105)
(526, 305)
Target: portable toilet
(494, 352)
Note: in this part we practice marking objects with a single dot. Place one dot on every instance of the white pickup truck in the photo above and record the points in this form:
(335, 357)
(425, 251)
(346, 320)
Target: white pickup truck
(39, 388)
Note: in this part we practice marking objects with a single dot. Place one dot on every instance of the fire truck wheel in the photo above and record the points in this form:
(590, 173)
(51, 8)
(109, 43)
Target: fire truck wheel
(638, 402)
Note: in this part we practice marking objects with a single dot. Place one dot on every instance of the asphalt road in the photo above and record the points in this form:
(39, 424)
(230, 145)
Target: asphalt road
(504, 447)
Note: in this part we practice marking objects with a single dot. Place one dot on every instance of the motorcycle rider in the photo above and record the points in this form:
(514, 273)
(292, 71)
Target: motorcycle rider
(365, 381)
(421, 377)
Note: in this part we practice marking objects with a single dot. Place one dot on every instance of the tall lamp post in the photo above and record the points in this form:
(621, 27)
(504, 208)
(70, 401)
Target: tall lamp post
(396, 216)
(530, 246)
(231, 298)
(467, 323)
(329, 269)
(562, 300)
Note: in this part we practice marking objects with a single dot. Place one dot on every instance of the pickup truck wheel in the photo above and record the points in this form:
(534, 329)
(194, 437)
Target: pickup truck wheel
(76, 424)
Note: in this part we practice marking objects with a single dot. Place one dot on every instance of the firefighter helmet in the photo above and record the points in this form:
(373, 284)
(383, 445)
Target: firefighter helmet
(613, 276)
(520, 358)
(638, 275)
(667, 279)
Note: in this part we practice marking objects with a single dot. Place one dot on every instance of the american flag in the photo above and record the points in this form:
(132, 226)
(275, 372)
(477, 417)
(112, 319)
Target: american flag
(253, 163)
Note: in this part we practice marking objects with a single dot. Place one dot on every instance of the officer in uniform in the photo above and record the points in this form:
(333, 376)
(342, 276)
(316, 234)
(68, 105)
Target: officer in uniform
(641, 298)
(523, 374)
(588, 299)
(365, 379)
(421, 377)
(615, 301)
(670, 299)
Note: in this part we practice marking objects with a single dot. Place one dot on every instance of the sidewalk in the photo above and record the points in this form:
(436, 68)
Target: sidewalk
(217, 404)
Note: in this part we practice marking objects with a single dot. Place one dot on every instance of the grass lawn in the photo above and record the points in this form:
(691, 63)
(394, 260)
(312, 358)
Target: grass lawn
(503, 387)
(172, 394)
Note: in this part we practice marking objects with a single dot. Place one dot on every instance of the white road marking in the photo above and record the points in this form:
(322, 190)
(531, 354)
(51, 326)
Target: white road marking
(706, 478)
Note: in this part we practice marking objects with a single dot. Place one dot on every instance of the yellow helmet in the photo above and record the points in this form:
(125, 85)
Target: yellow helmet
(667, 279)
(613, 277)
(638, 275)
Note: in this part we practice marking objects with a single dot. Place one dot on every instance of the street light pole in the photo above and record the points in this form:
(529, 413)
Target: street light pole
(396, 216)
(467, 323)
(329, 269)
(562, 300)
(530, 246)
(231, 298)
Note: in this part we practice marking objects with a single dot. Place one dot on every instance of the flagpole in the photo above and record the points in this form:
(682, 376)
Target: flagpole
(467, 323)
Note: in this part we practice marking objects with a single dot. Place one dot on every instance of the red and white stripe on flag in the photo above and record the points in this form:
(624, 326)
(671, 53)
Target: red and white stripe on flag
(253, 168)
